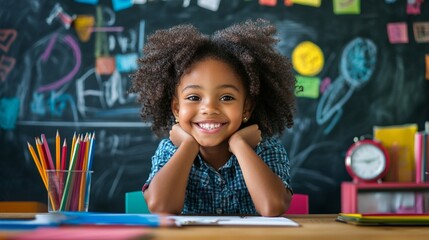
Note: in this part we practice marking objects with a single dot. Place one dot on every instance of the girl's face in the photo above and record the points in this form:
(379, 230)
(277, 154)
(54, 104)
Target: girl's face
(210, 102)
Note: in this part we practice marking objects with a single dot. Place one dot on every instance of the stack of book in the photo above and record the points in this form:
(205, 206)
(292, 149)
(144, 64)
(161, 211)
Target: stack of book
(384, 219)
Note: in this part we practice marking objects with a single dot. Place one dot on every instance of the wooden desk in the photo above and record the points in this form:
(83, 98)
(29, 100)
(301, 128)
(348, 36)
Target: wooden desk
(314, 227)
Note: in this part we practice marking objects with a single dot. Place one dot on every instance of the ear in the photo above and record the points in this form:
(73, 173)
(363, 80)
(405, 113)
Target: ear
(249, 105)
(175, 106)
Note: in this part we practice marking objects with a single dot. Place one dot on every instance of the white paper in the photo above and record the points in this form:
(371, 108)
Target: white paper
(233, 221)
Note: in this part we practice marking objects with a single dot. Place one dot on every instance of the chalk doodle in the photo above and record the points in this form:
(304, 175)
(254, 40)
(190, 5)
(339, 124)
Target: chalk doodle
(48, 90)
(357, 65)
(7, 63)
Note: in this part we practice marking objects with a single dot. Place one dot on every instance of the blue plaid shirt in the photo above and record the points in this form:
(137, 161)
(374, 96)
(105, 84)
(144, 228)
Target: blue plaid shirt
(223, 191)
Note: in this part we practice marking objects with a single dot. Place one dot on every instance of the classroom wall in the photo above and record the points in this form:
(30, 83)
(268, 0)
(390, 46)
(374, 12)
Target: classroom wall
(56, 78)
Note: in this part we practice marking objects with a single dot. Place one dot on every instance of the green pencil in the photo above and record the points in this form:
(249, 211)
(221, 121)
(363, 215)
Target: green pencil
(68, 181)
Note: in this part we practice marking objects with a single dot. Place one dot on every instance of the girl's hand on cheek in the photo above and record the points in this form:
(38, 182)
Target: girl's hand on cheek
(179, 136)
(250, 135)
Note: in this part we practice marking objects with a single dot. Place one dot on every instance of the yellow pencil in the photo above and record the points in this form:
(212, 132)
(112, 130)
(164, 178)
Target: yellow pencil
(72, 145)
(37, 162)
(57, 151)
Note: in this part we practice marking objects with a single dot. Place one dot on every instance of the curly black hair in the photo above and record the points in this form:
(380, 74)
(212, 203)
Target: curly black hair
(248, 47)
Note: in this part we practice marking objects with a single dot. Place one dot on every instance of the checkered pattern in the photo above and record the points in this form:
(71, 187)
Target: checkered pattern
(223, 191)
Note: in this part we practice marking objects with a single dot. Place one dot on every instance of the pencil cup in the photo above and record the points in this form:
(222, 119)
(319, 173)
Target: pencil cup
(68, 190)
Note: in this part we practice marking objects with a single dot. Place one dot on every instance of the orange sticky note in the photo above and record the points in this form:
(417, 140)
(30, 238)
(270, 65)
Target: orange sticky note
(427, 66)
(105, 65)
(397, 32)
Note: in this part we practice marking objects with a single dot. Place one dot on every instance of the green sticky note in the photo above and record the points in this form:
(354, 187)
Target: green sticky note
(346, 6)
(307, 87)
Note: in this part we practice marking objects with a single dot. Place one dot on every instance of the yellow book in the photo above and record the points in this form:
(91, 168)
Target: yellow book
(399, 142)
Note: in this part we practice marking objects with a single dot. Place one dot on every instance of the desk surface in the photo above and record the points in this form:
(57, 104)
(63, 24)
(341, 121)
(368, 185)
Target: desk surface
(318, 227)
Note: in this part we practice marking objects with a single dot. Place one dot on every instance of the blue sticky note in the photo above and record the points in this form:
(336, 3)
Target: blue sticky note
(121, 4)
(126, 62)
(9, 109)
(87, 1)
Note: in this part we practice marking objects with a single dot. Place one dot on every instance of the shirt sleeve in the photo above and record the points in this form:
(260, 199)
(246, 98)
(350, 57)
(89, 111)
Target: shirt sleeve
(163, 153)
(275, 156)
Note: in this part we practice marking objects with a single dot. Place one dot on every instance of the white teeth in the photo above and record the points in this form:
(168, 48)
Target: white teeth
(209, 126)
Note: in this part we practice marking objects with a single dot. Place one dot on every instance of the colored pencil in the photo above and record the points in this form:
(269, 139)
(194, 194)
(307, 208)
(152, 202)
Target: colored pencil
(42, 157)
(48, 153)
(63, 167)
(38, 164)
(65, 198)
(83, 175)
(57, 151)
(72, 144)
(66, 192)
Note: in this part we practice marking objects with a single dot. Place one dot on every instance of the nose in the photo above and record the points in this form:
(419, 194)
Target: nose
(209, 106)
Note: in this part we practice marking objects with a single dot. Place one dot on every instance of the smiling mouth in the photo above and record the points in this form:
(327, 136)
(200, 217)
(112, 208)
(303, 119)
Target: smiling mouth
(210, 126)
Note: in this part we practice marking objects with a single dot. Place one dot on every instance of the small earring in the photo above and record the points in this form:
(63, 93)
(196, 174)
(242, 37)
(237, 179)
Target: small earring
(176, 120)
(245, 119)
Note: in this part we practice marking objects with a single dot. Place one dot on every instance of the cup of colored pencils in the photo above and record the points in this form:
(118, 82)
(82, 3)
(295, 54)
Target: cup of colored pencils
(67, 179)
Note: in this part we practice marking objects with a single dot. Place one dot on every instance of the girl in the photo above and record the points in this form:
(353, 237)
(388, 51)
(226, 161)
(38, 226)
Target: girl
(222, 98)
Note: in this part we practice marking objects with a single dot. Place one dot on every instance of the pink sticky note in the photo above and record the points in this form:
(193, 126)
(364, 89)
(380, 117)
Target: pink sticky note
(271, 3)
(397, 32)
(413, 7)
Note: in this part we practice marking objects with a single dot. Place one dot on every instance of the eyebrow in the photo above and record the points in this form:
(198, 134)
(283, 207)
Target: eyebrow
(220, 87)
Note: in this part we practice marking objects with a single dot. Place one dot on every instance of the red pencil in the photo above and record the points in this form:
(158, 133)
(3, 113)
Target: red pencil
(48, 153)
(64, 155)
(63, 167)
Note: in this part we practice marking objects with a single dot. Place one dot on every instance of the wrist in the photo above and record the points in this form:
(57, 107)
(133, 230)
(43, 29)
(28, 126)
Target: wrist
(236, 143)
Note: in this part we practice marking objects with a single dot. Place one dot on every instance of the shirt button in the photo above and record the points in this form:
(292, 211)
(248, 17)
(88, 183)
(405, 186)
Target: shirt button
(218, 210)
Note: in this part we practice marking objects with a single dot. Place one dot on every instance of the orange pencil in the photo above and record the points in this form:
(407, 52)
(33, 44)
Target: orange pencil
(37, 162)
(54, 201)
(57, 151)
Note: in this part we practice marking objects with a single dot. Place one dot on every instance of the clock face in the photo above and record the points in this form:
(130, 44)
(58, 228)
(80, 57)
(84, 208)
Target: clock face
(367, 161)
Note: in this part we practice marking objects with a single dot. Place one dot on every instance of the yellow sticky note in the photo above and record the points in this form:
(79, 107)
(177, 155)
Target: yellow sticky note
(307, 58)
(307, 86)
(346, 6)
(83, 25)
(313, 3)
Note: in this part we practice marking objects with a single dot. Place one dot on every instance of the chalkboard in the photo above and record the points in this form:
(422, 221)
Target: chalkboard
(56, 78)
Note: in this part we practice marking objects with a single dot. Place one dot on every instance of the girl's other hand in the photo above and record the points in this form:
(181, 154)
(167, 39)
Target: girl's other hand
(179, 136)
(251, 135)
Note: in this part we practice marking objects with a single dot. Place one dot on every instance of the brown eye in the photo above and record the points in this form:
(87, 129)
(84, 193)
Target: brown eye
(227, 98)
(193, 98)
